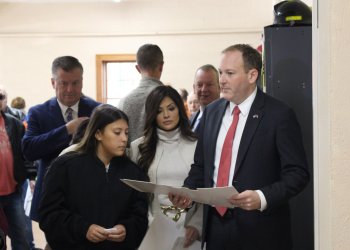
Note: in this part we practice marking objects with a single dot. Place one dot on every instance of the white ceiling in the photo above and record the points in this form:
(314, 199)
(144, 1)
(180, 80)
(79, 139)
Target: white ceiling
(308, 2)
(60, 1)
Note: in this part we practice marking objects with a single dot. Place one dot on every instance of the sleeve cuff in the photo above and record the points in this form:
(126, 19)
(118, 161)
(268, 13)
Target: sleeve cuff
(263, 202)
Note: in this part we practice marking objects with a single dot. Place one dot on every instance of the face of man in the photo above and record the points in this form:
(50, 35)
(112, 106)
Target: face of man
(236, 84)
(68, 86)
(3, 99)
(192, 103)
(206, 87)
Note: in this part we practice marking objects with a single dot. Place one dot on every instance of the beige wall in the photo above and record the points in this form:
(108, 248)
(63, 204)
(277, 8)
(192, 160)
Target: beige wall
(332, 122)
(190, 33)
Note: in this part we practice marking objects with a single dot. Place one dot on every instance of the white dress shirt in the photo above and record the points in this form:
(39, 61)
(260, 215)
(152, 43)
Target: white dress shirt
(198, 119)
(244, 107)
(64, 108)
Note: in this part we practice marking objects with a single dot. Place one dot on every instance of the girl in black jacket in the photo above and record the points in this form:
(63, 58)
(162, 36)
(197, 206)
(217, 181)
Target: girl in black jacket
(84, 203)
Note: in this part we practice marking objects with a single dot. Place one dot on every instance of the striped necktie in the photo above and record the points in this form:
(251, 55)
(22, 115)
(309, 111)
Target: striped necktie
(69, 114)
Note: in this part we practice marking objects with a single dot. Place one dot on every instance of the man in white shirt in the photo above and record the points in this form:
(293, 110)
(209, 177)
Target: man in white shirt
(253, 142)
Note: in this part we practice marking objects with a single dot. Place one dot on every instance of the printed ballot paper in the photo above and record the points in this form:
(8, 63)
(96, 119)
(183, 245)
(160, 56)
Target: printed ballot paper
(212, 196)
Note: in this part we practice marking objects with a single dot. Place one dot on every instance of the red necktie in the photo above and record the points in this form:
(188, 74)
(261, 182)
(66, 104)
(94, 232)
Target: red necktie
(226, 156)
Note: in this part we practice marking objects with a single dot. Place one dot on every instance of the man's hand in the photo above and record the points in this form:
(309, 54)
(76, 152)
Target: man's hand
(96, 233)
(247, 200)
(74, 124)
(117, 233)
(32, 186)
(191, 235)
(180, 201)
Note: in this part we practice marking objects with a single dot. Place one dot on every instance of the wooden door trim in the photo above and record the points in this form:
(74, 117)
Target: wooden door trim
(101, 61)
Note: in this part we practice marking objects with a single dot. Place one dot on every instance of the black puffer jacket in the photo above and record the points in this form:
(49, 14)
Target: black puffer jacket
(15, 132)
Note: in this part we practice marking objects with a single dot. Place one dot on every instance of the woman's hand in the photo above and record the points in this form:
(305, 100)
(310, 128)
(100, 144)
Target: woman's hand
(117, 233)
(96, 233)
(191, 235)
(180, 201)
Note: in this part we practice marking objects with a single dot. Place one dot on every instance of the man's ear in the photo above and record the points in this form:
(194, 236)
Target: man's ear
(194, 88)
(253, 75)
(53, 82)
(138, 68)
(161, 67)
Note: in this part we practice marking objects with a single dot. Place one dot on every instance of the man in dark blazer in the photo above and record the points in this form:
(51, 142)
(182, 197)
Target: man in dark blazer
(268, 164)
(52, 124)
(206, 87)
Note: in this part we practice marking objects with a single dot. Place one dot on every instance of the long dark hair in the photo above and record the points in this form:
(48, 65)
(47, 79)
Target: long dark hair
(148, 146)
(102, 115)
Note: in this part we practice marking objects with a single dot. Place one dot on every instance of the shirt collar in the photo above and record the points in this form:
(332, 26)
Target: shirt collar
(244, 107)
(64, 107)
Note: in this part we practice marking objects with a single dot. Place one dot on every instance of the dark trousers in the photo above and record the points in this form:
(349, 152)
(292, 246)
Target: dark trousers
(12, 206)
(222, 231)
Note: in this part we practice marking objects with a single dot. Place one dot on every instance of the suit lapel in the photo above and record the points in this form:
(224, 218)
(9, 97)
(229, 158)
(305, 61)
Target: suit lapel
(254, 117)
(81, 109)
(55, 112)
(193, 119)
(213, 132)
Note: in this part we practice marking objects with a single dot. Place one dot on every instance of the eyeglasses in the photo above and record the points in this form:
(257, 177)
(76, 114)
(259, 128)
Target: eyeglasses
(2, 97)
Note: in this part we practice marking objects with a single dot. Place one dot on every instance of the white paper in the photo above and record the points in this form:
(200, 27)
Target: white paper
(216, 196)
(212, 196)
(28, 200)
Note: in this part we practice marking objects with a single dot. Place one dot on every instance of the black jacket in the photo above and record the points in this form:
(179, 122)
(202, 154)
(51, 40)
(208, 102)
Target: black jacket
(79, 192)
(271, 158)
(15, 131)
(15, 112)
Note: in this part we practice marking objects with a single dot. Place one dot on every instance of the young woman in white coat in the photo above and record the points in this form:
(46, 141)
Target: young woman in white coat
(165, 153)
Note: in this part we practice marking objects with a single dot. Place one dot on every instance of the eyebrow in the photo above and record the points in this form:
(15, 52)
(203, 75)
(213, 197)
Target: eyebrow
(172, 103)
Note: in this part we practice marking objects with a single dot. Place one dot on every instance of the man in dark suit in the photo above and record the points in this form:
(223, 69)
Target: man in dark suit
(267, 163)
(206, 87)
(52, 124)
